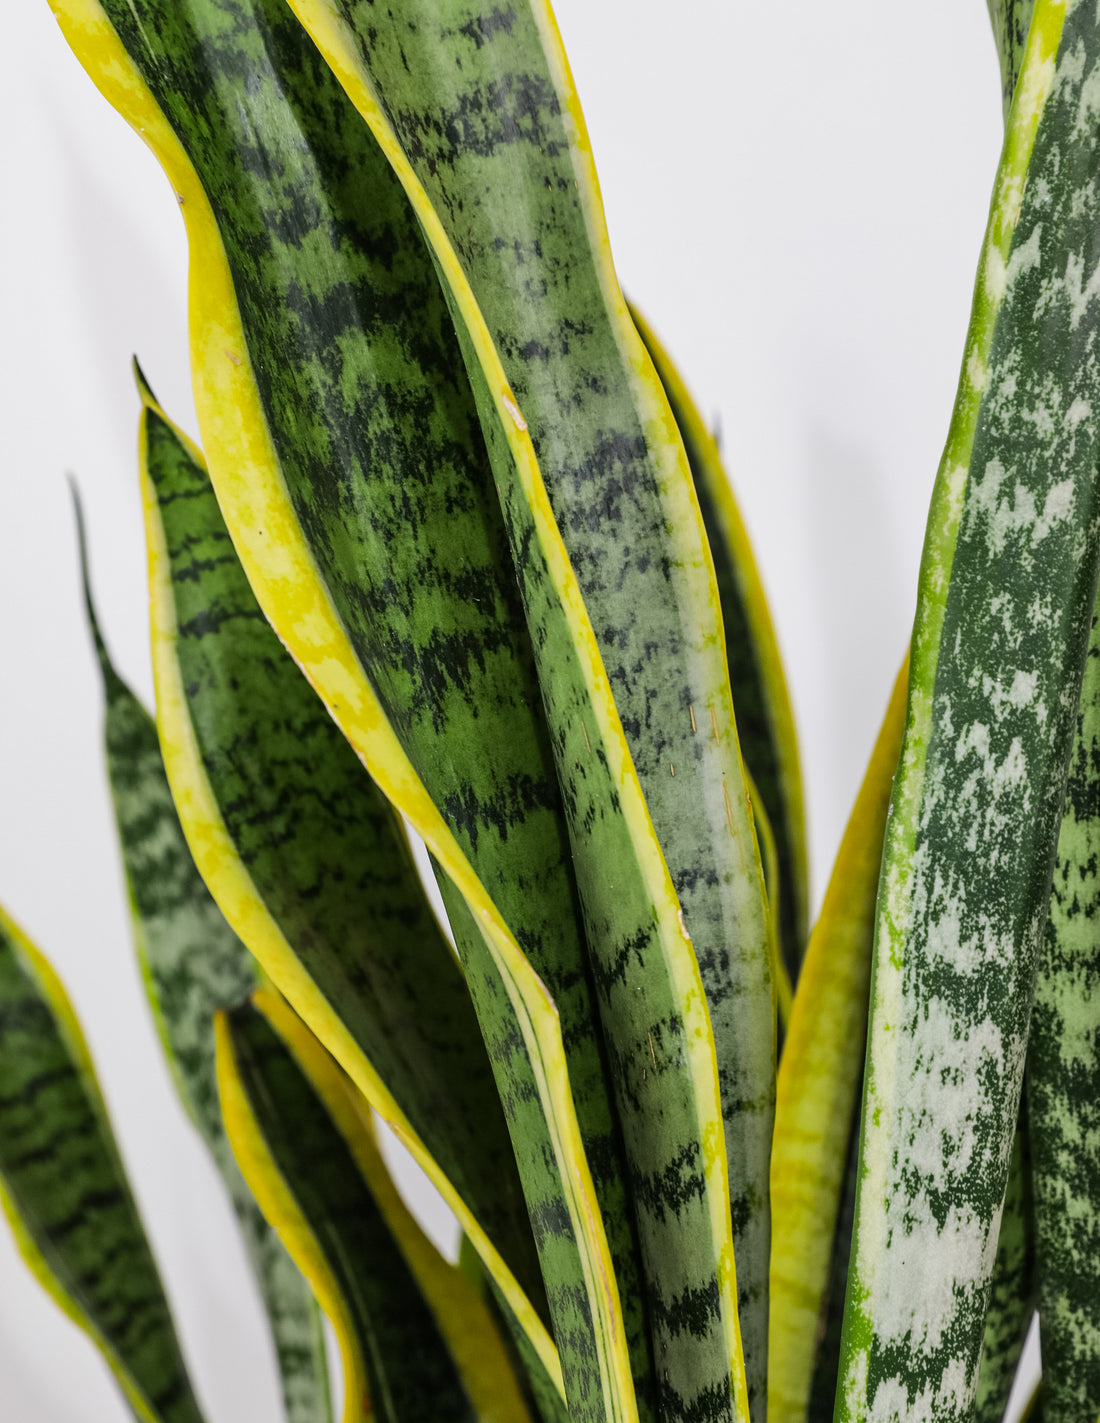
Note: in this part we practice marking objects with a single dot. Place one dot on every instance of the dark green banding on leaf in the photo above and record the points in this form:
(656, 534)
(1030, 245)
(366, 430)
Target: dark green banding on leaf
(1012, 1294)
(761, 701)
(193, 964)
(364, 395)
(64, 1189)
(478, 114)
(325, 853)
(1063, 1084)
(1007, 584)
(377, 1266)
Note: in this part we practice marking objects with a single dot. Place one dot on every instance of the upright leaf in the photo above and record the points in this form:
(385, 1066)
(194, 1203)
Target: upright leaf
(64, 1191)
(761, 701)
(1007, 584)
(323, 888)
(416, 1340)
(1011, 20)
(1063, 1084)
(1012, 1294)
(192, 964)
(332, 596)
(819, 1079)
(477, 113)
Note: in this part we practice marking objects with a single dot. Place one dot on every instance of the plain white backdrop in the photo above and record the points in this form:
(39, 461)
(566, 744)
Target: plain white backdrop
(796, 196)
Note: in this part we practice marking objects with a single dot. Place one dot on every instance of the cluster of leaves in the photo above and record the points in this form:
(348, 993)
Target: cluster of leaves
(461, 550)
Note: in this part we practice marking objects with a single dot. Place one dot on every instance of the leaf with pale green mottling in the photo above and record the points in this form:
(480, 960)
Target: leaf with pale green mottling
(193, 964)
(64, 1190)
(1006, 591)
(1063, 1084)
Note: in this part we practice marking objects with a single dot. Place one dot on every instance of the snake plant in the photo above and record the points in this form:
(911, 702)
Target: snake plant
(458, 563)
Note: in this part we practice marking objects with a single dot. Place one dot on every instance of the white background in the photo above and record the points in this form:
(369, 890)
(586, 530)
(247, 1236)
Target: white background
(796, 195)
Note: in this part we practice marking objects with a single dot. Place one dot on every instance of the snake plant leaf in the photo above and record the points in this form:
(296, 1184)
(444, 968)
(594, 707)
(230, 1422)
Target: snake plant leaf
(445, 658)
(191, 965)
(1006, 590)
(476, 110)
(415, 1339)
(64, 1190)
(332, 893)
(769, 856)
(831, 1323)
(1063, 1084)
(1011, 20)
(1013, 1293)
(404, 750)
(761, 701)
(544, 1402)
(819, 1080)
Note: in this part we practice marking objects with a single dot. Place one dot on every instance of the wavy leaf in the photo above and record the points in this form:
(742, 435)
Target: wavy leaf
(64, 1190)
(1063, 1084)
(819, 1080)
(1006, 590)
(191, 965)
(415, 1339)
(761, 701)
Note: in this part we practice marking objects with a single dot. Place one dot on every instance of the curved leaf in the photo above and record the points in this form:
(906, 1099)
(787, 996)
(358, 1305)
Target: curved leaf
(1063, 1084)
(761, 701)
(415, 1339)
(819, 1079)
(193, 964)
(1007, 584)
(64, 1191)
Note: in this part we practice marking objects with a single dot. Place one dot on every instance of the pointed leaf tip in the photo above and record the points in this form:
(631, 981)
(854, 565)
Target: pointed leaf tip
(110, 676)
(145, 390)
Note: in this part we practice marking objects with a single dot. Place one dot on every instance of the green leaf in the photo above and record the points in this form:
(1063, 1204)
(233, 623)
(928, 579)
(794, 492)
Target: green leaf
(64, 1191)
(325, 891)
(1007, 584)
(1013, 1291)
(415, 1339)
(437, 663)
(1063, 1084)
(193, 964)
(819, 1079)
(394, 403)
(765, 721)
(477, 114)
(1011, 20)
